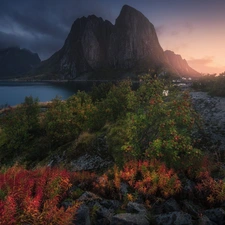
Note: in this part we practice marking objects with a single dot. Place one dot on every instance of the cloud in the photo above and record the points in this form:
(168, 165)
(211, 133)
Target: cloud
(7, 40)
(182, 29)
(175, 33)
(44, 45)
(189, 27)
(205, 65)
(160, 30)
(201, 61)
(43, 25)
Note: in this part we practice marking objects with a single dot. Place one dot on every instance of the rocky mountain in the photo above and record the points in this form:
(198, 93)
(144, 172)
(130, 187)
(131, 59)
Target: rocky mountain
(95, 45)
(180, 65)
(85, 49)
(134, 43)
(15, 62)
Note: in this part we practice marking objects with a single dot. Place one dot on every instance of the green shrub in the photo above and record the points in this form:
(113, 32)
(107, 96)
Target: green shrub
(21, 124)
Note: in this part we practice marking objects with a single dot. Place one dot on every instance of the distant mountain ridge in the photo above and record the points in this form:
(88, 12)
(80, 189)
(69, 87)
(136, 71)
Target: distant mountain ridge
(93, 45)
(16, 62)
(180, 65)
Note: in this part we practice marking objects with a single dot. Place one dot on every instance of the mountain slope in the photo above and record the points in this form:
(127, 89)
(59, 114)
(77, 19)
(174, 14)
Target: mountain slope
(16, 62)
(84, 50)
(180, 65)
(95, 45)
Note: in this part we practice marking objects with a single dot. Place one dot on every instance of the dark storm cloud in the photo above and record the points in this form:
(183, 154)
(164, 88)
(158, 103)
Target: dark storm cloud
(8, 40)
(43, 25)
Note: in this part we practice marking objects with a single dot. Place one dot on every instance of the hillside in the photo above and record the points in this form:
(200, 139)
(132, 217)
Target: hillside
(113, 156)
(16, 62)
(180, 65)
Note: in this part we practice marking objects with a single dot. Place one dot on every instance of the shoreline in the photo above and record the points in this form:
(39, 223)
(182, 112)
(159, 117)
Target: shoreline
(42, 105)
(64, 81)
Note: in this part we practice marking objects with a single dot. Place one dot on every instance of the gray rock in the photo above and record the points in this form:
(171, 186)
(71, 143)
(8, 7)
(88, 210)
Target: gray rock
(102, 214)
(204, 220)
(191, 208)
(189, 187)
(124, 188)
(110, 204)
(88, 196)
(103, 221)
(89, 162)
(171, 205)
(133, 207)
(216, 215)
(129, 219)
(174, 218)
(82, 216)
(212, 111)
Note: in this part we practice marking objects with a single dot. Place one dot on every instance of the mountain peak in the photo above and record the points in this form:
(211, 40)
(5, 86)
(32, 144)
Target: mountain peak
(127, 8)
(94, 45)
(128, 15)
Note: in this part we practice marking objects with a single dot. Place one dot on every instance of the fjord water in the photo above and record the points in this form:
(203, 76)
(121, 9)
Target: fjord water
(14, 92)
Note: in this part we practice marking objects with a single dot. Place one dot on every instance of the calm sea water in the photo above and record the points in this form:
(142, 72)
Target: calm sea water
(13, 93)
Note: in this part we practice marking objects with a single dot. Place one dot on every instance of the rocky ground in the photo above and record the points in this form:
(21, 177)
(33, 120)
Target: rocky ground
(98, 211)
(95, 210)
(212, 111)
(180, 210)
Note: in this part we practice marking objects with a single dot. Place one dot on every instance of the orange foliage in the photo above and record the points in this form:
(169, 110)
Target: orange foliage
(209, 189)
(145, 177)
(151, 177)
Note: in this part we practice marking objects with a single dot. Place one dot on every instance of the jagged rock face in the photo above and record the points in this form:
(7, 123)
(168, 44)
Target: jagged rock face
(180, 65)
(134, 42)
(85, 48)
(16, 62)
(94, 45)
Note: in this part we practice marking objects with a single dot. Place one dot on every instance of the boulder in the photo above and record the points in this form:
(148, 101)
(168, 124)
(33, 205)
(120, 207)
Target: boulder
(89, 162)
(191, 208)
(88, 196)
(133, 207)
(216, 215)
(174, 218)
(129, 219)
(204, 220)
(82, 216)
(171, 205)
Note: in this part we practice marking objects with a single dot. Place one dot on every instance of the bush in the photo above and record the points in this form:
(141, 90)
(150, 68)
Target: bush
(35, 197)
(20, 125)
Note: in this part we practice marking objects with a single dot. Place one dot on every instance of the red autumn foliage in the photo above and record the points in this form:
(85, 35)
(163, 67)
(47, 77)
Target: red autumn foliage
(34, 196)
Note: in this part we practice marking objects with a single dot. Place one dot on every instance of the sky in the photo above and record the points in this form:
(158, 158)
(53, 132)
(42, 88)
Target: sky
(195, 29)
